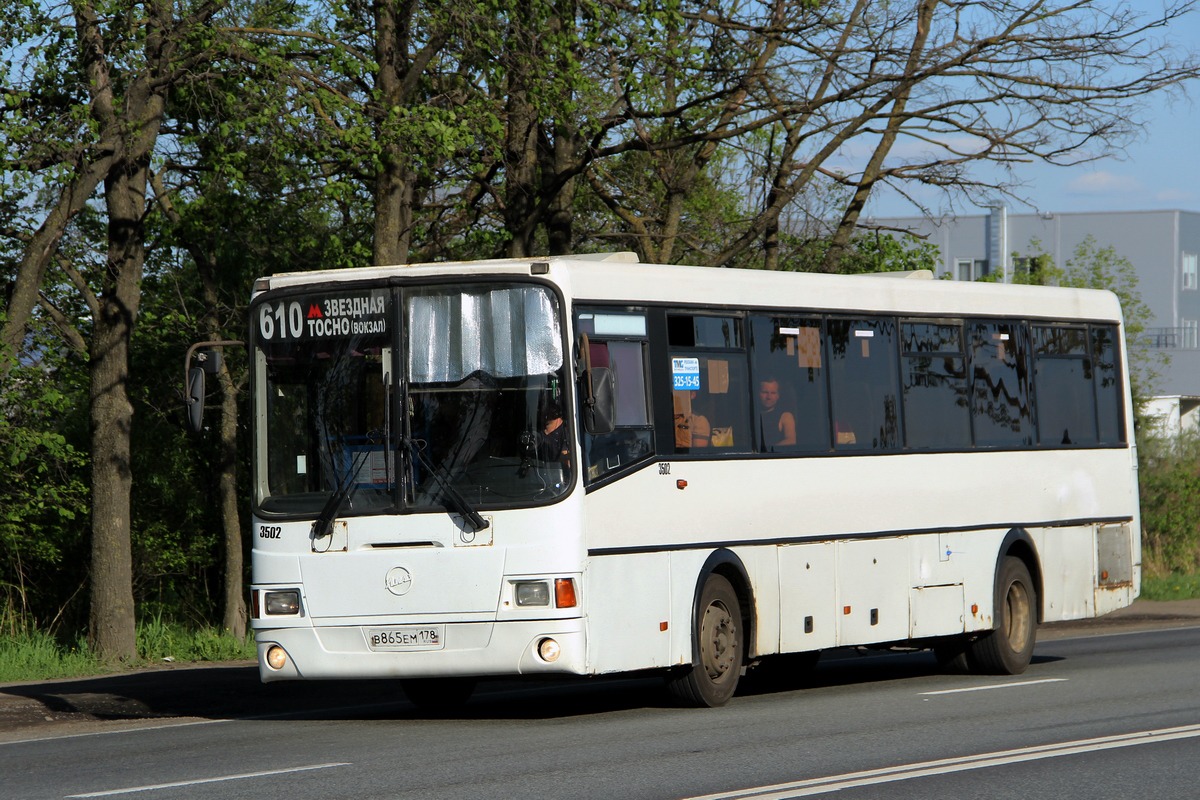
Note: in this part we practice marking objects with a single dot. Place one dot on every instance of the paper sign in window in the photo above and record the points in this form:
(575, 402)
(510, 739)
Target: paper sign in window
(865, 336)
(718, 376)
(805, 344)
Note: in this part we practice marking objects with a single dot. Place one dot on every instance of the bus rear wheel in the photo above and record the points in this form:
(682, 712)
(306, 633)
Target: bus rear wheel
(713, 678)
(1008, 648)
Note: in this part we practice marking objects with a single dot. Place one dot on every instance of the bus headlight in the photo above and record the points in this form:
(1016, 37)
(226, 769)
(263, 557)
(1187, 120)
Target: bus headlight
(286, 602)
(531, 593)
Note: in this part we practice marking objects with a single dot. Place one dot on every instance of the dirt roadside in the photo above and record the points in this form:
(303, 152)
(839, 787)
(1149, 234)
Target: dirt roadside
(182, 692)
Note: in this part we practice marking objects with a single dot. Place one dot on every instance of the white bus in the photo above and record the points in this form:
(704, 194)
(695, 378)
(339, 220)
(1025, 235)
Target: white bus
(587, 465)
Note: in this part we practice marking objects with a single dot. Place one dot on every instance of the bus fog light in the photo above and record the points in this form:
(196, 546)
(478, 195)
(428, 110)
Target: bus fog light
(277, 657)
(549, 650)
(282, 602)
(531, 593)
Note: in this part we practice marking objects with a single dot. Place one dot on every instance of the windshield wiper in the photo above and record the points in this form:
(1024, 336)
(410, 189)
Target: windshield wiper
(452, 496)
(323, 524)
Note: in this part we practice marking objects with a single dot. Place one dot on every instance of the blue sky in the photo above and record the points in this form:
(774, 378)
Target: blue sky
(1161, 169)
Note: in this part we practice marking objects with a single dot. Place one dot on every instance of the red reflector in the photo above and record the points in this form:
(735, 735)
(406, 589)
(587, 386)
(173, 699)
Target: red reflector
(564, 593)
(846, 610)
(254, 604)
(681, 484)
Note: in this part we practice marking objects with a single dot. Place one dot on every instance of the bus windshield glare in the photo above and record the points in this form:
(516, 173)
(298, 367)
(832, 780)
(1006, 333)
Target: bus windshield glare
(459, 403)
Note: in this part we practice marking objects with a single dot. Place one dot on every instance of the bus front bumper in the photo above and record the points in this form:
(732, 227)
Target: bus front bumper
(526, 647)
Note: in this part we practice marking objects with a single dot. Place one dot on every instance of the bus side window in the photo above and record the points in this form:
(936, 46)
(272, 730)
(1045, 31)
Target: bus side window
(1110, 406)
(709, 384)
(1062, 375)
(863, 383)
(617, 340)
(1000, 409)
(788, 364)
(934, 386)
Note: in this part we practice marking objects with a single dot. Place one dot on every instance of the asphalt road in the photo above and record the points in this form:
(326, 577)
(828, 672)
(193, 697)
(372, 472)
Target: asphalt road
(1119, 694)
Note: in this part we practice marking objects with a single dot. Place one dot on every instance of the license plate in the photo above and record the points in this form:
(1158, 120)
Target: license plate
(407, 637)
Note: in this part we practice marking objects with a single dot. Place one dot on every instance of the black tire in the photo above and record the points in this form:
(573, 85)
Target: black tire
(713, 678)
(1007, 649)
(439, 694)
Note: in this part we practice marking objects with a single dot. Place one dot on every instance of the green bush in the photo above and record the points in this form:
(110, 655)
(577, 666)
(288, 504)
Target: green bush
(1170, 500)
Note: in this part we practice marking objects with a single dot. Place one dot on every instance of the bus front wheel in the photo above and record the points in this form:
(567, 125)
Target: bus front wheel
(713, 678)
(1008, 648)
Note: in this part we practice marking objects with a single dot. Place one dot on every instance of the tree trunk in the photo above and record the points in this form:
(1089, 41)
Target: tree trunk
(520, 158)
(112, 623)
(234, 619)
(393, 183)
(520, 133)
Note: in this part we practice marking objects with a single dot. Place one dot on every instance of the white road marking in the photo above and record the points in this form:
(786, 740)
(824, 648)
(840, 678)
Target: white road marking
(280, 715)
(178, 784)
(996, 686)
(924, 769)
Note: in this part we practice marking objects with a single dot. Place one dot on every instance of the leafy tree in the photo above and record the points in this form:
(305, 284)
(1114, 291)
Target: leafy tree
(43, 495)
(81, 126)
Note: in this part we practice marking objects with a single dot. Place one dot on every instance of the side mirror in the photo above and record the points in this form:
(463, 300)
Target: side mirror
(600, 408)
(194, 399)
(208, 362)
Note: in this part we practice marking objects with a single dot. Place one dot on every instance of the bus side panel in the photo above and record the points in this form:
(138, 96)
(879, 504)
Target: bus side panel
(1118, 576)
(1068, 571)
(629, 614)
(873, 585)
(962, 559)
(807, 594)
(762, 564)
(936, 611)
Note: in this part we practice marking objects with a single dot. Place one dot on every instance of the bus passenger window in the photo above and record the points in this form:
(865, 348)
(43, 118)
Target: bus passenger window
(1062, 374)
(789, 380)
(1000, 410)
(1110, 406)
(934, 386)
(710, 394)
(863, 384)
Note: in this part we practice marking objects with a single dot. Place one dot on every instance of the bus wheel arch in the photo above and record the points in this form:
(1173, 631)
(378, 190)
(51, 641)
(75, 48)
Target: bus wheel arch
(1016, 610)
(1019, 544)
(721, 628)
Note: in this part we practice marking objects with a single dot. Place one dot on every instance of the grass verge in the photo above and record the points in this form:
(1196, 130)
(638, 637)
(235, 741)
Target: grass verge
(35, 655)
(1171, 587)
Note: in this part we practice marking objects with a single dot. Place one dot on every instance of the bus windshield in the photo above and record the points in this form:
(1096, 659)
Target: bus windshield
(459, 404)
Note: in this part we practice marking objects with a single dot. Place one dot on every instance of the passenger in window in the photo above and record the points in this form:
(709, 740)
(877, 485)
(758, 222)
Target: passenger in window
(691, 427)
(777, 427)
